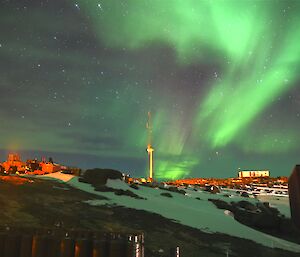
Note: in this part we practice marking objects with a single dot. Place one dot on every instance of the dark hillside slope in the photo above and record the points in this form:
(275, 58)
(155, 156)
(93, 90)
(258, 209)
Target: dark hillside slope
(40, 203)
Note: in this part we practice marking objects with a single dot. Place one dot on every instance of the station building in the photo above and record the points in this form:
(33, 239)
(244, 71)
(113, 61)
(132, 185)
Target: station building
(253, 173)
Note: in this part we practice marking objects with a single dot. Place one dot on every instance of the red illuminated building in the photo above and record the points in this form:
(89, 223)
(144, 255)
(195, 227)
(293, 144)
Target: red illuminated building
(14, 163)
(49, 167)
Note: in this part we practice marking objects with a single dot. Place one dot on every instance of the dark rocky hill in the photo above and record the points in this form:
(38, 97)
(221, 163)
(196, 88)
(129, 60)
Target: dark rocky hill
(37, 203)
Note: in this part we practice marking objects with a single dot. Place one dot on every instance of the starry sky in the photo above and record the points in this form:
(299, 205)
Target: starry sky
(221, 79)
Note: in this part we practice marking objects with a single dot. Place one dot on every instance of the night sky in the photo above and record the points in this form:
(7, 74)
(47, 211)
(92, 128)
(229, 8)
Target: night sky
(221, 79)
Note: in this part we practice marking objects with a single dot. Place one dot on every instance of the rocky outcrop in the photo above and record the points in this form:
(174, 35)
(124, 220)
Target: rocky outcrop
(167, 195)
(134, 186)
(98, 176)
(212, 189)
(174, 190)
(262, 217)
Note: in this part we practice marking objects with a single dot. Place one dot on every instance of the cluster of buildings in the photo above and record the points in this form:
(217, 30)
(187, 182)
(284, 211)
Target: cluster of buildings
(244, 178)
(14, 164)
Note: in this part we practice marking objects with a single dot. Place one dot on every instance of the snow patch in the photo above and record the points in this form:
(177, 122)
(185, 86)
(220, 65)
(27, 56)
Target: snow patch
(57, 176)
(186, 210)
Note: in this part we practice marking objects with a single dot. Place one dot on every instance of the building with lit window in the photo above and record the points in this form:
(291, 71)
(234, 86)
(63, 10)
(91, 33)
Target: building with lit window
(253, 173)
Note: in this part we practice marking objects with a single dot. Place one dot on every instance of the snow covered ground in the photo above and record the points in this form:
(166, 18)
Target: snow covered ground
(185, 209)
(58, 175)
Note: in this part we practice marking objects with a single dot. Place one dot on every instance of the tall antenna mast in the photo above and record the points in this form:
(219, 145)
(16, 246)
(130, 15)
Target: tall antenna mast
(150, 149)
(149, 129)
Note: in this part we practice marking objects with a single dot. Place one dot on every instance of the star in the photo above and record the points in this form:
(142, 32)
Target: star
(77, 6)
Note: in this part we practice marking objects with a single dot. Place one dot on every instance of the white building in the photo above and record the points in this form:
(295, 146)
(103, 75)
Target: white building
(253, 173)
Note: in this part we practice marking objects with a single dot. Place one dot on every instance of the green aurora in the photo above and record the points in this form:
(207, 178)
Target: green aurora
(221, 79)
